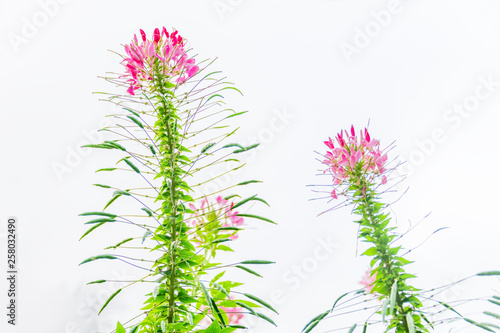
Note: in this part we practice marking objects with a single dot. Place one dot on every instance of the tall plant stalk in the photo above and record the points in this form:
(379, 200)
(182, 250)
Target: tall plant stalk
(173, 128)
(358, 168)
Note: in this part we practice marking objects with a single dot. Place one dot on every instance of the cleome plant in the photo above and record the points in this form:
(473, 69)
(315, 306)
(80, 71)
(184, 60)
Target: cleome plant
(387, 302)
(173, 126)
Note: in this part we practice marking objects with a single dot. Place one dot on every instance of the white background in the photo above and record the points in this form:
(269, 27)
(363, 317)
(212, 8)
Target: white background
(405, 74)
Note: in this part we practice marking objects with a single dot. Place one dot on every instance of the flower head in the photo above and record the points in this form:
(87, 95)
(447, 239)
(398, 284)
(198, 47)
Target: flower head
(162, 58)
(212, 216)
(355, 158)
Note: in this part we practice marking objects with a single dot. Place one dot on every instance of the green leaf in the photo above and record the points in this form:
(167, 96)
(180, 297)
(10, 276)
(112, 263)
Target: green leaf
(236, 114)
(244, 306)
(427, 320)
(223, 240)
(230, 228)
(148, 211)
(212, 304)
(410, 323)
(494, 302)
(315, 321)
(146, 234)
(337, 300)
(352, 328)
(221, 289)
(109, 300)
(258, 300)
(153, 151)
(255, 217)
(101, 185)
(115, 145)
(384, 309)
(92, 229)
(133, 112)
(119, 328)
(111, 201)
(497, 316)
(106, 169)
(215, 328)
(266, 318)
(101, 219)
(248, 270)
(257, 262)
(370, 252)
(120, 192)
(231, 196)
(102, 256)
(490, 273)
(449, 308)
(483, 326)
(229, 145)
(249, 182)
(120, 243)
(394, 292)
(207, 147)
(101, 146)
(130, 164)
(98, 214)
(97, 281)
(137, 121)
(233, 88)
(244, 201)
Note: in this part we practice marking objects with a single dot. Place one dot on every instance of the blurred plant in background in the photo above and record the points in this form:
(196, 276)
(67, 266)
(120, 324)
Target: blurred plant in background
(358, 168)
(171, 127)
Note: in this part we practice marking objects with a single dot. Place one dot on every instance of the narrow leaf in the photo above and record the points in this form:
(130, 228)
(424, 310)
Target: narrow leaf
(410, 323)
(130, 164)
(98, 214)
(394, 292)
(248, 270)
(490, 273)
(207, 147)
(102, 256)
(135, 120)
(106, 169)
(109, 300)
(92, 229)
(266, 318)
(101, 185)
(256, 217)
(148, 211)
(257, 262)
(97, 281)
(249, 182)
(258, 300)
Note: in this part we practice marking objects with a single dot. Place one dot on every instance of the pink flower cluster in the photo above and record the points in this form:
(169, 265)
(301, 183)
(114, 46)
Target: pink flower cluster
(223, 209)
(368, 280)
(354, 156)
(165, 53)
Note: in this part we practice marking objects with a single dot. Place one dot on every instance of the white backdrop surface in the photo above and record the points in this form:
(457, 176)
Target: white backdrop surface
(425, 74)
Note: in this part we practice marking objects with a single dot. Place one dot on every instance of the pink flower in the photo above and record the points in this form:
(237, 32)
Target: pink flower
(163, 55)
(355, 158)
(226, 216)
(368, 280)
